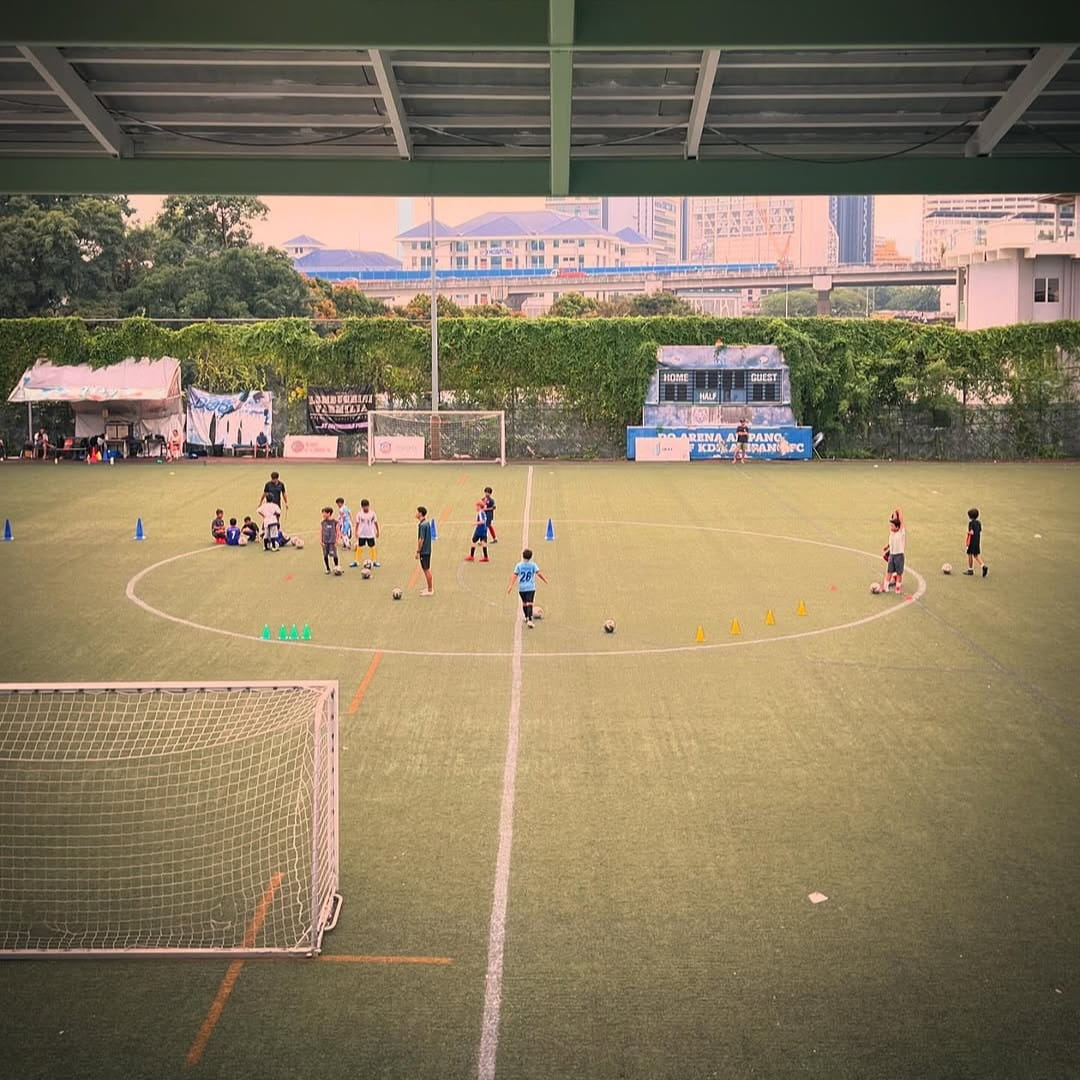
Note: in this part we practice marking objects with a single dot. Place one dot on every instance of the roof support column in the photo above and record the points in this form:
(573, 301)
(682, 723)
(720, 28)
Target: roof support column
(395, 111)
(702, 96)
(561, 61)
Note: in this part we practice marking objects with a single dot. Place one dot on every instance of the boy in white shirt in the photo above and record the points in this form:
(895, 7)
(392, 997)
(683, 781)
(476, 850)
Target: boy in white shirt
(367, 532)
(897, 546)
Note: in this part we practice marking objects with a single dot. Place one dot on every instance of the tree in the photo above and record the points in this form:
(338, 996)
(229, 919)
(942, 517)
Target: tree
(660, 303)
(419, 308)
(907, 298)
(240, 283)
(332, 300)
(795, 303)
(487, 311)
(211, 222)
(64, 255)
(573, 305)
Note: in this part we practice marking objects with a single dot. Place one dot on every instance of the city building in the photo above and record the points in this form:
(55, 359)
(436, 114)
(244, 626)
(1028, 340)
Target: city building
(1018, 271)
(775, 230)
(301, 245)
(852, 217)
(952, 219)
(335, 264)
(657, 218)
(886, 251)
(523, 240)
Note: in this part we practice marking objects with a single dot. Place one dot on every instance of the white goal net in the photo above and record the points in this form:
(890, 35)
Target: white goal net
(168, 818)
(445, 435)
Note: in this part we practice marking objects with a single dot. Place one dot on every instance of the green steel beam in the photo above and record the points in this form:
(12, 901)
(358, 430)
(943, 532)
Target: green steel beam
(524, 24)
(490, 177)
(561, 89)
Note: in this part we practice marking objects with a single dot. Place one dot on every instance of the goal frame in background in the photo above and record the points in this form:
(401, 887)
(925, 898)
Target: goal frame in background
(429, 430)
(320, 892)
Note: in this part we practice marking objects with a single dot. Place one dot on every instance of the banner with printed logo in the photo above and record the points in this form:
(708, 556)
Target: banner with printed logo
(333, 411)
(228, 419)
(783, 442)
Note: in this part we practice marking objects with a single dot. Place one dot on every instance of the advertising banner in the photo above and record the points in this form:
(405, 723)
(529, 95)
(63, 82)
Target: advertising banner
(399, 448)
(787, 443)
(228, 419)
(311, 446)
(339, 411)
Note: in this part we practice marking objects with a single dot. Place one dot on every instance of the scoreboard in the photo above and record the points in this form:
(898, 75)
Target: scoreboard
(721, 386)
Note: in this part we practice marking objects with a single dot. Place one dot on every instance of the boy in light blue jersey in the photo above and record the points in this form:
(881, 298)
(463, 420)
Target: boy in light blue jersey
(344, 520)
(525, 574)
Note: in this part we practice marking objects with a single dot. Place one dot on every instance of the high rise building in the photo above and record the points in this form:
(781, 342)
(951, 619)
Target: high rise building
(951, 219)
(790, 231)
(657, 218)
(852, 217)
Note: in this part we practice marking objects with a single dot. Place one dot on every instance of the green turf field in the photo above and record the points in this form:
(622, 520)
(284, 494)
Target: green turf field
(915, 759)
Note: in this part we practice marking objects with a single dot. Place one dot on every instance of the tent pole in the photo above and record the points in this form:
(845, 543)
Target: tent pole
(30, 421)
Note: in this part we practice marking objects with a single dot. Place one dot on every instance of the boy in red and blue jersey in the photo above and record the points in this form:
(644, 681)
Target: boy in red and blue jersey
(479, 535)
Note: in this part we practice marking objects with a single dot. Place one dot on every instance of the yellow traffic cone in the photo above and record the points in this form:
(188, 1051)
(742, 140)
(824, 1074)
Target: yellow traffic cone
(700, 635)
(801, 609)
(735, 626)
(770, 618)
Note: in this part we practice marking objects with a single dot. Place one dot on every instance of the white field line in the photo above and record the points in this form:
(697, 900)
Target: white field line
(885, 612)
(489, 1030)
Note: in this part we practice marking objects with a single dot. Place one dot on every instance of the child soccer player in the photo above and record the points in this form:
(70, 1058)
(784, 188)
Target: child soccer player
(217, 527)
(479, 535)
(250, 529)
(273, 538)
(897, 545)
(367, 531)
(232, 534)
(329, 535)
(344, 519)
(423, 548)
(525, 574)
(489, 511)
(742, 438)
(973, 544)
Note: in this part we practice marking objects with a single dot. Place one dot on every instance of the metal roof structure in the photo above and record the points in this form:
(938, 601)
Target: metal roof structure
(531, 97)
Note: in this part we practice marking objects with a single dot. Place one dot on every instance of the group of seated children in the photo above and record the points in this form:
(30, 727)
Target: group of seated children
(232, 534)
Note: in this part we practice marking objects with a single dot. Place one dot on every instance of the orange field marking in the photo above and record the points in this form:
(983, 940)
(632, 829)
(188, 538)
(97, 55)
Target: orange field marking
(416, 569)
(365, 682)
(442, 960)
(194, 1055)
(461, 479)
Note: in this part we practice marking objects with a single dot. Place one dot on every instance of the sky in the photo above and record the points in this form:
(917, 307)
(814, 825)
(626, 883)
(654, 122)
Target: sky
(370, 223)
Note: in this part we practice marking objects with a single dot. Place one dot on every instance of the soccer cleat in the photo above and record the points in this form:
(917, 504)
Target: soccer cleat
(353, 565)
(327, 572)
(986, 570)
(969, 573)
(529, 623)
(484, 559)
(469, 558)
(427, 592)
(493, 540)
(376, 564)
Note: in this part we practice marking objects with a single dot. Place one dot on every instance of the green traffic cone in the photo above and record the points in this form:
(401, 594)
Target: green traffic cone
(283, 634)
(266, 632)
(306, 636)
(294, 634)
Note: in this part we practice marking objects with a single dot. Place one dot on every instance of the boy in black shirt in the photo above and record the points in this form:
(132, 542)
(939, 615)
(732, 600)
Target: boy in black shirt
(973, 544)
(328, 535)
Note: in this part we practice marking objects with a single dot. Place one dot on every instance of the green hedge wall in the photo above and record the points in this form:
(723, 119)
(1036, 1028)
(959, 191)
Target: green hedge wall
(843, 371)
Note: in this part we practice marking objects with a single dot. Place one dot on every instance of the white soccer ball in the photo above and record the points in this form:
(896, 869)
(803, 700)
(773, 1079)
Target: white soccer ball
(946, 568)
(538, 612)
(365, 573)
(875, 587)
(609, 626)
(396, 594)
(243, 540)
(297, 541)
(366, 565)
(338, 571)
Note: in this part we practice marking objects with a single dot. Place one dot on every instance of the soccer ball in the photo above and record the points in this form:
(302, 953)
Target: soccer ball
(365, 573)
(875, 587)
(609, 626)
(243, 540)
(297, 541)
(396, 594)
(946, 568)
(338, 571)
(538, 612)
(366, 565)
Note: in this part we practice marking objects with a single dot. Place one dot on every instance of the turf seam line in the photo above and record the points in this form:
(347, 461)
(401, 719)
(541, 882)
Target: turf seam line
(489, 1032)
(365, 682)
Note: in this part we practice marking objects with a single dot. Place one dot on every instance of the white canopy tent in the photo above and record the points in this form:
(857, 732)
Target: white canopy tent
(142, 393)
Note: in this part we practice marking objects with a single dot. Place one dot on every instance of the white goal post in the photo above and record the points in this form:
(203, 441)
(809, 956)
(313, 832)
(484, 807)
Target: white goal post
(444, 436)
(168, 818)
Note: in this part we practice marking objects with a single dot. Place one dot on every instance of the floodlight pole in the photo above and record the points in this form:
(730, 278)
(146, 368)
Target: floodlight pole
(434, 319)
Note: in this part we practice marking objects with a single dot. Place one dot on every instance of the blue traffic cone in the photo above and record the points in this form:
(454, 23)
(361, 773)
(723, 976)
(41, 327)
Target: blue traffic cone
(139, 534)
(434, 531)
(550, 535)
(7, 529)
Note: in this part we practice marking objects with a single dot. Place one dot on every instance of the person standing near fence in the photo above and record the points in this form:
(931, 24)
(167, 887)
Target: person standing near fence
(423, 548)
(742, 438)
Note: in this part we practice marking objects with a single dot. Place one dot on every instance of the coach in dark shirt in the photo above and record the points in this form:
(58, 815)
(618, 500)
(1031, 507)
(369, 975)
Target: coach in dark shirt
(274, 491)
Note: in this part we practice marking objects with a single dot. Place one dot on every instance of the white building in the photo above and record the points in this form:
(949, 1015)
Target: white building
(952, 219)
(656, 217)
(1019, 271)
